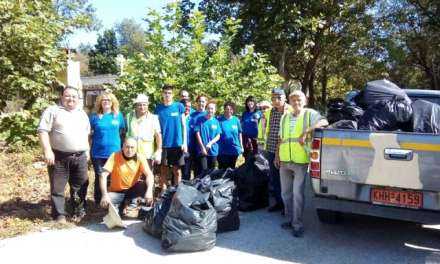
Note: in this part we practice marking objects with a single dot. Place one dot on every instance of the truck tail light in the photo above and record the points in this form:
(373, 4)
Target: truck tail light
(315, 159)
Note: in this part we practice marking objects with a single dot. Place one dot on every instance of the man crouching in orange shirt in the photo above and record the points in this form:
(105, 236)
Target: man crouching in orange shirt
(126, 185)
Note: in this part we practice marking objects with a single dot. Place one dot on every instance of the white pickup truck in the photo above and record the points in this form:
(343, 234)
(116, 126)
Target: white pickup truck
(385, 174)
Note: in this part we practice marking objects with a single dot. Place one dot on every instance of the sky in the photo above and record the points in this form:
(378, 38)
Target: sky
(111, 12)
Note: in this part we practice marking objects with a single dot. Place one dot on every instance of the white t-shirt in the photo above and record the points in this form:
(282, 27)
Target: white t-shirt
(68, 130)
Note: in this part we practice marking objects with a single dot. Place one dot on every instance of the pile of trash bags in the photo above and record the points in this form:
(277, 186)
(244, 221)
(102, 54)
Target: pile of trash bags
(188, 217)
(383, 106)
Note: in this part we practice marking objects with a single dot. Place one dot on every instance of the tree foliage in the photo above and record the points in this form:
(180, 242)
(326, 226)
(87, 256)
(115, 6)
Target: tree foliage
(102, 59)
(30, 54)
(131, 37)
(180, 57)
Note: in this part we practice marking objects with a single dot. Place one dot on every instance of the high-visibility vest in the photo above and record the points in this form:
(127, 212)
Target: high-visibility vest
(290, 150)
(264, 125)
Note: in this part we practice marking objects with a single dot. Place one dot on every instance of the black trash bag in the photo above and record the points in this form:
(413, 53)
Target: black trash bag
(191, 223)
(334, 110)
(426, 117)
(381, 90)
(345, 124)
(252, 180)
(154, 216)
(386, 116)
(352, 112)
(225, 201)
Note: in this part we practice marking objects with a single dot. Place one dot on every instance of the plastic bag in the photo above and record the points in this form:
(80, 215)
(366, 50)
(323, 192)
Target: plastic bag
(191, 222)
(426, 117)
(380, 90)
(252, 180)
(386, 115)
(154, 216)
(225, 201)
(345, 124)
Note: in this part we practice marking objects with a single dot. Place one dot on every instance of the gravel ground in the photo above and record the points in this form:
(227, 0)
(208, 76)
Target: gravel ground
(259, 240)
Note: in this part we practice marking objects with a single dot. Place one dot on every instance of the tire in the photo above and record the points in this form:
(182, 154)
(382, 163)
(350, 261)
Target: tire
(328, 217)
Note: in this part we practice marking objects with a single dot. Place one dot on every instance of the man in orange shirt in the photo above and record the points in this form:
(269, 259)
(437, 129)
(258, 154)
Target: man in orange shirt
(126, 185)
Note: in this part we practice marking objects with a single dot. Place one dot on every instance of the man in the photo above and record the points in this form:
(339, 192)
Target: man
(184, 96)
(126, 185)
(293, 157)
(172, 123)
(63, 131)
(144, 126)
(272, 119)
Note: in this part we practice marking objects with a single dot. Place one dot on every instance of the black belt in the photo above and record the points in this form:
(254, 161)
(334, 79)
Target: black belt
(68, 154)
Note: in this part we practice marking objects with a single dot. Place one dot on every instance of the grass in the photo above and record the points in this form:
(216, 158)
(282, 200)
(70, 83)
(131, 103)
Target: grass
(24, 196)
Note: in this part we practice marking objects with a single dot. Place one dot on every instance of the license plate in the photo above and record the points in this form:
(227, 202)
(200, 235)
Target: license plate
(399, 198)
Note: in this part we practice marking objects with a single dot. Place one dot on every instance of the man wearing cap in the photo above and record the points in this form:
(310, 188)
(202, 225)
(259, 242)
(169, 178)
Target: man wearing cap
(144, 127)
(126, 184)
(292, 157)
(173, 127)
(64, 131)
(272, 119)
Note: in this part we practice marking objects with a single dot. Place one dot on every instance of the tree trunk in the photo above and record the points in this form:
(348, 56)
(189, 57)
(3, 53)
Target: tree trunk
(324, 82)
(282, 68)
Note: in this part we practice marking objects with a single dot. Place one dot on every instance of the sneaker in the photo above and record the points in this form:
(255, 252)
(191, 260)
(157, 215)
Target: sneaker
(286, 225)
(298, 232)
(275, 208)
(131, 212)
(77, 217)
(61, 219)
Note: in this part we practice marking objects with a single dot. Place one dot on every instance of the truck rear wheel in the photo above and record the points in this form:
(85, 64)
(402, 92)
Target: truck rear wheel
(328, 217)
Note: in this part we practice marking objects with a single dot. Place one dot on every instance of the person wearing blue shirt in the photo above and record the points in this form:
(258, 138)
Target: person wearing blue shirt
(107, 124)
(249, 120)
(230, 143)
(190, 161)
(173, 128)
(207, 133)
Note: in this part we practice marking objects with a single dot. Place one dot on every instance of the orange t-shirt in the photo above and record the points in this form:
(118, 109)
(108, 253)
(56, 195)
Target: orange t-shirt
(124, 173)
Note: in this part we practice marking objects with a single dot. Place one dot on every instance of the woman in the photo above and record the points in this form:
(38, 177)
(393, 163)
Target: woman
(207, 132)
(107, 125)
(249, 121)
(230, 144)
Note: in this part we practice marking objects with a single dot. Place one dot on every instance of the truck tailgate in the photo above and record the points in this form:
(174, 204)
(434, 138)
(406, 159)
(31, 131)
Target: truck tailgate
(401, 160)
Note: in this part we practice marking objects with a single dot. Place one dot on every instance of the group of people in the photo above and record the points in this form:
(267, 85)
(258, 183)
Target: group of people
(176, 136)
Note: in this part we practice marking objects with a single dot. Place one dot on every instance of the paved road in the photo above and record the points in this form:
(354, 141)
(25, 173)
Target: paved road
(259, 240)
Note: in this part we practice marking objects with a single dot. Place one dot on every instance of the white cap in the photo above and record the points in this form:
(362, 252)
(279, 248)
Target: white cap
(141, 98)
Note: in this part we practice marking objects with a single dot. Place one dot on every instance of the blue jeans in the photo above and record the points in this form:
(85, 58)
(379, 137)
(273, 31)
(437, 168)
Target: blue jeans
(98, 164)
(274, 179)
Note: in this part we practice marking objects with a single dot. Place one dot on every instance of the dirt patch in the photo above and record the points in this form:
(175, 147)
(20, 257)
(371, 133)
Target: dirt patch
(24, 196)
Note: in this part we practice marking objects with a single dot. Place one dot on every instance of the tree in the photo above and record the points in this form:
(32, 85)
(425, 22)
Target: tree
(179, 56)
(30, 55)
(295, 34)
(131, 37)
(102, 59)
(410, 40)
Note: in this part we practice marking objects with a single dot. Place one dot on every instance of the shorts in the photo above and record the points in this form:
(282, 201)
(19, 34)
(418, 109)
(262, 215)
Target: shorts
(173, 157)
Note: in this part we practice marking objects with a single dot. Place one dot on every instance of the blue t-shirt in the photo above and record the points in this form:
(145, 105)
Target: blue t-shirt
(192, 122)
(170, 119)
(249, 122)
(106, 134)
(209, 129)
(229, 143)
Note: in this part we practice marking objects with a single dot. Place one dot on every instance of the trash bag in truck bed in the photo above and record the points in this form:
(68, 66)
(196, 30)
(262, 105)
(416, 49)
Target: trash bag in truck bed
(388, 115)
(380, 90)
(339, 110)
(426, 117)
